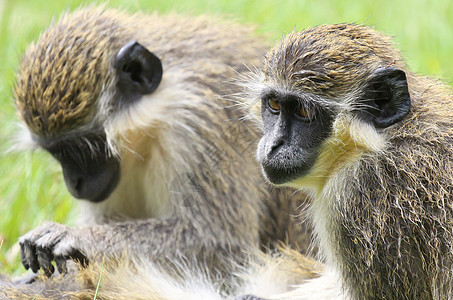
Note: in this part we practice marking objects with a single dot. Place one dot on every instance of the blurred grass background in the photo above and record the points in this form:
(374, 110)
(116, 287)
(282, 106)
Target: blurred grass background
(31, 187)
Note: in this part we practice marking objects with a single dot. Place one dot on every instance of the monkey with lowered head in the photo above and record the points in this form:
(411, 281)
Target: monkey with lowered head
(343, 117)
(133, 109)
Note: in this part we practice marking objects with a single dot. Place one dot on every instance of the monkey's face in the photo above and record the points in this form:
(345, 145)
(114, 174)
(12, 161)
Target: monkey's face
(69, 100)
(313, 125)
(90, 170)
(294, 129)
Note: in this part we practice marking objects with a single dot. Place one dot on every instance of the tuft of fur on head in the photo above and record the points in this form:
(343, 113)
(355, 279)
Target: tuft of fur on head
(326, 60)
(62, 75)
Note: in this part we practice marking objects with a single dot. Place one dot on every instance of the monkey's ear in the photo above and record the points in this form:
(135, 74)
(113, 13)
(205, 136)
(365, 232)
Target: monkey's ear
(388, 96)
(139, 70)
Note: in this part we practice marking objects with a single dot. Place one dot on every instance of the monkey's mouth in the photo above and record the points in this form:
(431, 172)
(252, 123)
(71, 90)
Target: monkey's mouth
(95, 183)
(277, 174)
(284, 165)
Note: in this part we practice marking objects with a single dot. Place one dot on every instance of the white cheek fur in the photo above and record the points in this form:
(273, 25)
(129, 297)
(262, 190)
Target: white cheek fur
(22, 139)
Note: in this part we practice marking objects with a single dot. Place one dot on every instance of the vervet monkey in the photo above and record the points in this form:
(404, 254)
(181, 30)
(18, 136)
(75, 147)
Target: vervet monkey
(344, 118)
(135, 109)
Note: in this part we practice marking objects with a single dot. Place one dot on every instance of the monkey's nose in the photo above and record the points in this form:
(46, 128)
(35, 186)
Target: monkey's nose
(276, 145)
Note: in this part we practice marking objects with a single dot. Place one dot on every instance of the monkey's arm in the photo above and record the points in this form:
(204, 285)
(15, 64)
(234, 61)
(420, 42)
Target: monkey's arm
(172, 237)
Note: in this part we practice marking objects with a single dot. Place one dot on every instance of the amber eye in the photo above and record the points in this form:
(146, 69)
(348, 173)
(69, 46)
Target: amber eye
(305, 112)
(273, 105)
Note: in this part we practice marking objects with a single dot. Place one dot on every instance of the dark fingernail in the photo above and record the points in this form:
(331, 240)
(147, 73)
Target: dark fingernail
(61, 264)
(32, 257)
(49, 270)
(80, 258)
(23, 257)
(45, 258)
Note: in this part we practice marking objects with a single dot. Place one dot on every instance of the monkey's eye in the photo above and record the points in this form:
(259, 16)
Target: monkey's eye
(273, 105)
(304, 112)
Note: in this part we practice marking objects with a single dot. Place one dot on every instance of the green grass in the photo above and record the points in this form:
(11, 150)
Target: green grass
(31, 187)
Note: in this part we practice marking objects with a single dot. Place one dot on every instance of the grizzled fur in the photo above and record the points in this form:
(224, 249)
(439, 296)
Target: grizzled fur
(62, 75)
(190, 187)
(383, 205)
(329, 60)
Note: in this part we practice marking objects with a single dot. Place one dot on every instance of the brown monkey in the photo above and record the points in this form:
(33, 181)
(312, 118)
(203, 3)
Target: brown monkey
(344, 118)
(134, 109)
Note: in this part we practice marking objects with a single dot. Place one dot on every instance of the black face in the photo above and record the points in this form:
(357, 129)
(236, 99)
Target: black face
(90, 172)
(293, 132)
(294, 129)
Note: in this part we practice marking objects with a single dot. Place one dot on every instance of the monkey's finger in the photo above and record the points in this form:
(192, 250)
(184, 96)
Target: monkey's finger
(45, 258)
(23, 257)
(79, 258)
(60, 261)
(30, 256)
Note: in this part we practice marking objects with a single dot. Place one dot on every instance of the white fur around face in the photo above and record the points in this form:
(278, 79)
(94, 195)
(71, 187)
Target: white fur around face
(22, 140)
(173, 91)
(145, 137)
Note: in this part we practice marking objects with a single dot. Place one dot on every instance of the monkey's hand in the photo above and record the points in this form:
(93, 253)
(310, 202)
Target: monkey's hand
(51, 242)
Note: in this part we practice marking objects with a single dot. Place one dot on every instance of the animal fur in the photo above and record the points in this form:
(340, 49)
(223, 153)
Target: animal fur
(382, 207)
(190, 188)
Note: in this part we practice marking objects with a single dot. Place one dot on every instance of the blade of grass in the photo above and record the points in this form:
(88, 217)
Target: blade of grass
(100, 277)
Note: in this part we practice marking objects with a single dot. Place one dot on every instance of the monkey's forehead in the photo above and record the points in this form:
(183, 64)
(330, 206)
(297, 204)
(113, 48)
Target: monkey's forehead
(329, 59)
(61, 76)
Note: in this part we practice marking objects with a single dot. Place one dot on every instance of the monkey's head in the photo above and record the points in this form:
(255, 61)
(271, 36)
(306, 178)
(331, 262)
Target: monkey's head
(70, 85)
(328, 95)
